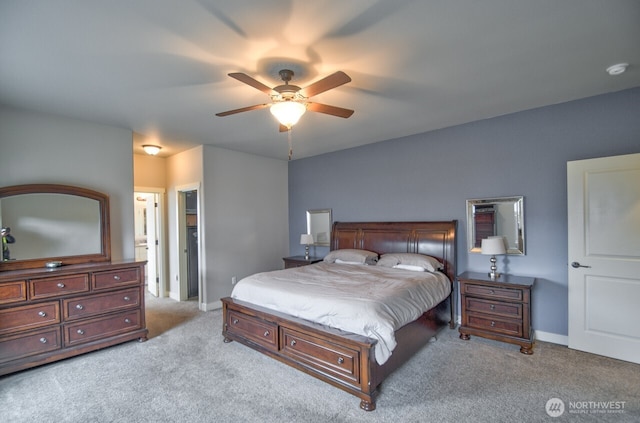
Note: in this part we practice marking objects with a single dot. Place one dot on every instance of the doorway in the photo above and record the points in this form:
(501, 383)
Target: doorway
(604, 256)
(189, 243)
(148, 238)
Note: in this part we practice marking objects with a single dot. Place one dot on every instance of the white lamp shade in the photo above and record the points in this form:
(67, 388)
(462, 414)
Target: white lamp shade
(288, 112)
(493, 246)
(306, 239)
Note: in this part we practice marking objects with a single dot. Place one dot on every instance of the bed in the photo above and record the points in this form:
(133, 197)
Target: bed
(344, 359)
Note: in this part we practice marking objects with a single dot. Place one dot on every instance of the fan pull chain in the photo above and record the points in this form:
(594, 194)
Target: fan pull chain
(290, 144)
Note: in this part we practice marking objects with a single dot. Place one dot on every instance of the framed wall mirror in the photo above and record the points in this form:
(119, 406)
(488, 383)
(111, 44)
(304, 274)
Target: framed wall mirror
(502, 216)
(319, 225)
(53, 223)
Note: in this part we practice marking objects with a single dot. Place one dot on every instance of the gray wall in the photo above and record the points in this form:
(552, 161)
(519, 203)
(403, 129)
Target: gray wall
(429, 176)
(40, 148)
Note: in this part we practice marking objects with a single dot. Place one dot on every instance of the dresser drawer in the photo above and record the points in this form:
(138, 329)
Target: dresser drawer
(13, 292)
(81, 332)
(254, 329)
(337, 361)
(75, 308)
(491, 292)
(496, 325)
(513, 310)
(115, 278)
(29, 317)
(19, 346)
(53, 287)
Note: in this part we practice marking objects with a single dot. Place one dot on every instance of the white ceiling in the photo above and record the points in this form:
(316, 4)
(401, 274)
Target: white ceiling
(159, 67)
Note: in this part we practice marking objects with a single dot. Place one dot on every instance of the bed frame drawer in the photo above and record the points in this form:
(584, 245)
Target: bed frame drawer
(331, 359)
(253, 329)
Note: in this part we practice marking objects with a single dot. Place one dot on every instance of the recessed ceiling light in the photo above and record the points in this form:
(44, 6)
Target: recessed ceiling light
(617, 69)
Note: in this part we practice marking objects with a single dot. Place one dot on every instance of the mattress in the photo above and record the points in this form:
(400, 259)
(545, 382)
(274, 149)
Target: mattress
(373, 301)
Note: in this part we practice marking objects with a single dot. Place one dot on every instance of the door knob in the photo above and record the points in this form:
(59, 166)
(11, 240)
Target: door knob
(575, 265)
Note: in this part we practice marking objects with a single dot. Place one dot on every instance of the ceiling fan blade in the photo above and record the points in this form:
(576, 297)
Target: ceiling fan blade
(244, 109)
(332, 81)
(243, 77)
(329, 110)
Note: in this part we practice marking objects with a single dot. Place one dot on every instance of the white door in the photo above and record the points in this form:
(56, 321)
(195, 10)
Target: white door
(152, 245)
(604, 256)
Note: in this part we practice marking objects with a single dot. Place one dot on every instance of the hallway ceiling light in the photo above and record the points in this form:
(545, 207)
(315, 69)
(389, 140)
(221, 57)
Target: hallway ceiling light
(151, 150)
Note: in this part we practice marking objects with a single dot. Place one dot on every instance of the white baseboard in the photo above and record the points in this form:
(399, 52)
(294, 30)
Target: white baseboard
(211, 306)
(554, 338)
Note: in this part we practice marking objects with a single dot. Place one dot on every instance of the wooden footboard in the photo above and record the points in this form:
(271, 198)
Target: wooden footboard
(344, 360)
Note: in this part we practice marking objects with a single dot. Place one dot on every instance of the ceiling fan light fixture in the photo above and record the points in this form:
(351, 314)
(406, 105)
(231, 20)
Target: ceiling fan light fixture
(288, 113)
(151, 150)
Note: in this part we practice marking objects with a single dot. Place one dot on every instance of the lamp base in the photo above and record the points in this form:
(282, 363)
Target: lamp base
(306, 252)
(493, 274)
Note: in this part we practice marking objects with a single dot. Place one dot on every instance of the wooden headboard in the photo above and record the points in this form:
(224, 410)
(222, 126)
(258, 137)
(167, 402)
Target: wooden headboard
(437, 239)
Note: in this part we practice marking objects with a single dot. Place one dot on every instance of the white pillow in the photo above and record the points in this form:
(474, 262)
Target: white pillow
(354, 255)
(430, 264)
(338, 261)
(409, 267)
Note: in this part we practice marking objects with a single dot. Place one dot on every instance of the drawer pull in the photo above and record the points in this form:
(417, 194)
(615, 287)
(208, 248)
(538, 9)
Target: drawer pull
(42, 314)
(60, 285)
(80, 307)
(492, 307)
(127, 320)
(80, 332)
(235, 321)
(492, 291)
(340, 360)
(127, 298)
(267, 333)
(293, 342)
(116, 277)
(493, 324)
(43, 340)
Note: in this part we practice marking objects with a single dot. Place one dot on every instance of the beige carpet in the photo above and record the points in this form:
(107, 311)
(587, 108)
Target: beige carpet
(185, 373)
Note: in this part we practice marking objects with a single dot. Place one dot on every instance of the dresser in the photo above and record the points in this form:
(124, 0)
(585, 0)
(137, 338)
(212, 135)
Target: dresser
(52, 314)
(297, 261)
(498, 309)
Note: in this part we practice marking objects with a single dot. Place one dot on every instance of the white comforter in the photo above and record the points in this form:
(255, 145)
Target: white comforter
(373, 301)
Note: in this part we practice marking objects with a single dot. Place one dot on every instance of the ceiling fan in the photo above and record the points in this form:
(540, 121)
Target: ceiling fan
(289, 102)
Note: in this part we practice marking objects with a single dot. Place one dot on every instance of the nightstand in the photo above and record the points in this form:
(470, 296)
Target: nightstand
(297, 261)
(498, 309)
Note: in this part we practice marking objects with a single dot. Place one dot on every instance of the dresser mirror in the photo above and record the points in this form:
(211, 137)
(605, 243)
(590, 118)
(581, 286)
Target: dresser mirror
(502, 216)
(53, 223)
(319, 225)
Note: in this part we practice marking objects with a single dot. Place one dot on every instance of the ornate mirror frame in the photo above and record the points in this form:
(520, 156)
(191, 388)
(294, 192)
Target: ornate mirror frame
(503, 216)
(103, 209)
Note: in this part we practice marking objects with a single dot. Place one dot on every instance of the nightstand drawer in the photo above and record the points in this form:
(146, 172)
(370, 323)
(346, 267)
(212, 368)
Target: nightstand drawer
(498, 308)
(505, 326)
(491, 292)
